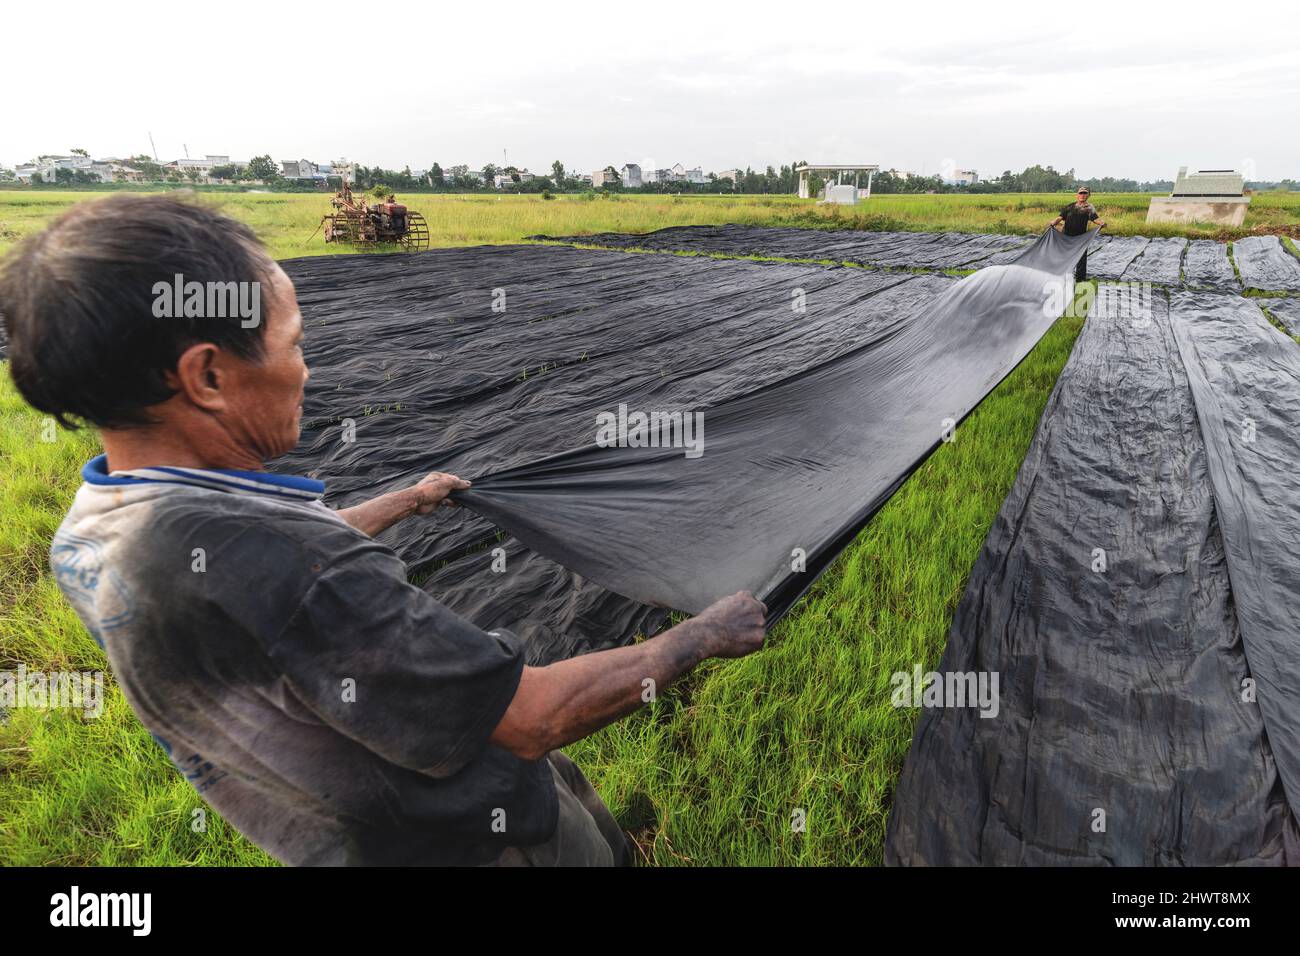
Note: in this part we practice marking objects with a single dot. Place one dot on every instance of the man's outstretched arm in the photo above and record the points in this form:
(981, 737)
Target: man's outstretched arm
(566, 701)
(373, 516)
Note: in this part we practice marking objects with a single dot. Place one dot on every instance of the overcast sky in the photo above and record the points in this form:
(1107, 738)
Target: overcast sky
(1108, 89)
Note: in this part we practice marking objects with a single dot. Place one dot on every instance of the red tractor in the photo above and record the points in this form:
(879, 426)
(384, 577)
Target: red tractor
(359, 224)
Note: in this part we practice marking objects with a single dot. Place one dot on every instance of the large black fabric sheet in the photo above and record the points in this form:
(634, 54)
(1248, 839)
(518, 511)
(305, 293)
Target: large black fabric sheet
(1123, 690)
(797, 466)
(1200, 264)
(811, 419)
(928, 250)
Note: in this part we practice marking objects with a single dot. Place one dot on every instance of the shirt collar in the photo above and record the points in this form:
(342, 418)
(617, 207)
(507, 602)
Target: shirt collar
(95, 472)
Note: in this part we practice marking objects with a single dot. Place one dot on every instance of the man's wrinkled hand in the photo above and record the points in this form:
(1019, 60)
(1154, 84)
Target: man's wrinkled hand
(735, 625)
(432, 490)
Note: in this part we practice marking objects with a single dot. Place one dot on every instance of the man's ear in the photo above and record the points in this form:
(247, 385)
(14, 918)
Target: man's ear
(200, 375)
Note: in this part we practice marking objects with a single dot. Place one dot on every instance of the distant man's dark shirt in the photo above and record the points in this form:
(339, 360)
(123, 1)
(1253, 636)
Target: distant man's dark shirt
(1077, 219)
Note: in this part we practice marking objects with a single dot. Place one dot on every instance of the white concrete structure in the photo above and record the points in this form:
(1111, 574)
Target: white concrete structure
(630, 174)
(838, 173)
(1207, 195)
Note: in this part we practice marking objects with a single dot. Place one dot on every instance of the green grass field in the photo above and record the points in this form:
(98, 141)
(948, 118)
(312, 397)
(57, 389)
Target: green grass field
(712, 772)
(287, 221)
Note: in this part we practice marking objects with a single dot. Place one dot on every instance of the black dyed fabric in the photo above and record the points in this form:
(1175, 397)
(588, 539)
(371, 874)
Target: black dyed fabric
(1136, 599)
(820, 390)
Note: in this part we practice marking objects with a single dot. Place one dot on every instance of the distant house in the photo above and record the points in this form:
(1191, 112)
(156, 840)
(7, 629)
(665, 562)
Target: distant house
(46, 169)
(114, 171)
(202, 168)
(298, 169)
(965, 177)
(630, 175)
(695, 175)
(732, 174)
(604, 177)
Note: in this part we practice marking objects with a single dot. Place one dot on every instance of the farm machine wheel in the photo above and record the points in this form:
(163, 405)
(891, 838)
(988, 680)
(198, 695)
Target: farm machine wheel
(417, 233)
(342, 228)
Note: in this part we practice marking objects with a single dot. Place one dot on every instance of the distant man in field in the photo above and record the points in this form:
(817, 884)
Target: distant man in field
(1076, 217)
(324, 706)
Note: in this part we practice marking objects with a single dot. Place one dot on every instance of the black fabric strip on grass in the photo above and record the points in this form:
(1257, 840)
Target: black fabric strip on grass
(1124, 732)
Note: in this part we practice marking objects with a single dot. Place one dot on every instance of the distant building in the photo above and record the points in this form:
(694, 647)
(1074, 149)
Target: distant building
(1209, 183)
(965, 177)
(46, 169)
(604, 177)
(630, 175)
(695, 175)
(298, 169)
(732, 174)
(1206, 195)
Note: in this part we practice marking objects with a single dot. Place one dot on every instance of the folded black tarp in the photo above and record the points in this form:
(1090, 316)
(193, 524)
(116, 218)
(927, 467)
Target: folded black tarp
(811, 419)
(1265, 264)
(1132, 598)
(1160, 262)
(1206, 266)
(1286, 311)
(1114, 254)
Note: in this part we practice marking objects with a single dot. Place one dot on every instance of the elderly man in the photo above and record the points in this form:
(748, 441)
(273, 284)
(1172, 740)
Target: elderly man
(328, 709)
(1076, 217)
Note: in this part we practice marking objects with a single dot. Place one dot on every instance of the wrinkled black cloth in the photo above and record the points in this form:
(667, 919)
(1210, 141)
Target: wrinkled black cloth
(811, 419)
(1133, 599)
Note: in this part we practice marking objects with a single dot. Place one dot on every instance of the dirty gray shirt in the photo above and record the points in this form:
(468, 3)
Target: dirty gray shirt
(330, 711)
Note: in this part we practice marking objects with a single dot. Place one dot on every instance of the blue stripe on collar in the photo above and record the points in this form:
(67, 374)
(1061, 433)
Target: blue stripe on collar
(95, 472)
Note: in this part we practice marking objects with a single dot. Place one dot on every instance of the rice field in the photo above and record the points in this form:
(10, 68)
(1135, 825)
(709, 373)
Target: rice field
(288, 221)
(713, 771)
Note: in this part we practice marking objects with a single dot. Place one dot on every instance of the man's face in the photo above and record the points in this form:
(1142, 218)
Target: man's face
(1081, 197)
(266, 397)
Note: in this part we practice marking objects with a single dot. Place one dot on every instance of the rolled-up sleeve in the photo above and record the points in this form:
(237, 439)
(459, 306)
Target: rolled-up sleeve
(385, 664)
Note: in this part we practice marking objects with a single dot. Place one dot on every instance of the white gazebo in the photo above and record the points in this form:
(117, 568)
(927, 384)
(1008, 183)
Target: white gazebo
(839, 172)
